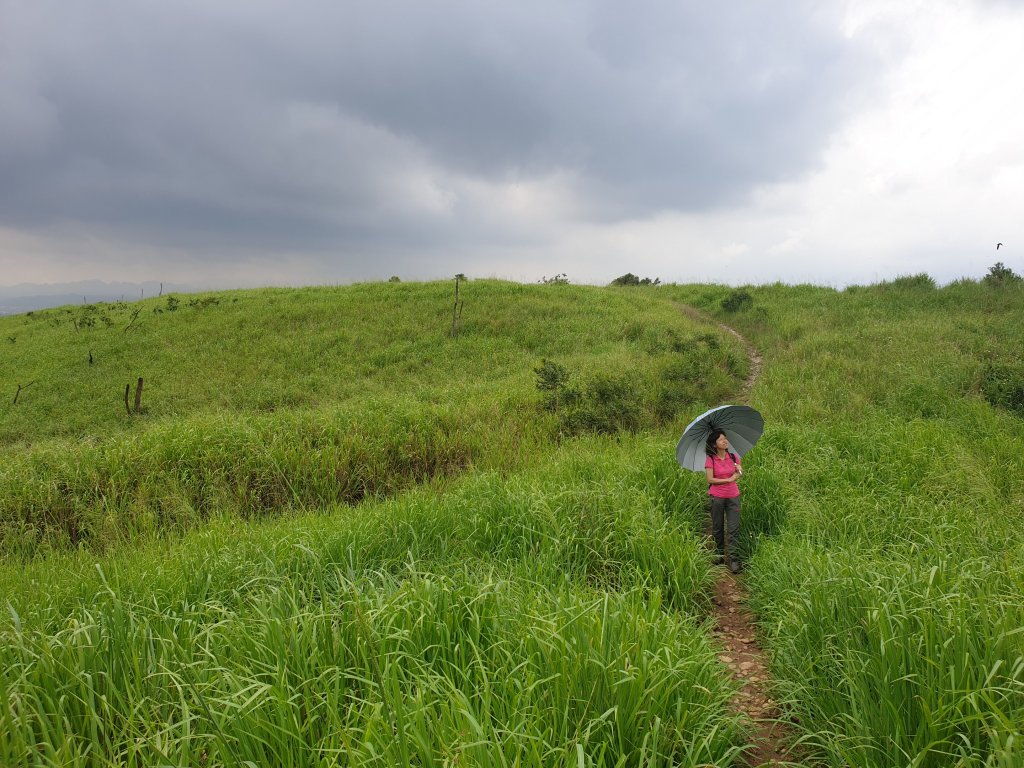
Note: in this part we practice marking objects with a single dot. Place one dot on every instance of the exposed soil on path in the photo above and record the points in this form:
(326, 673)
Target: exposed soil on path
(735, 628)
(743, 396)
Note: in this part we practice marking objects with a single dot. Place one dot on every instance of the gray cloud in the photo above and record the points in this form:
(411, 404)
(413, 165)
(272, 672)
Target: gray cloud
(325, 125)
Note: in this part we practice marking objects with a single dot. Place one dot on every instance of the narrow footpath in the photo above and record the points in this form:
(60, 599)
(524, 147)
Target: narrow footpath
(735, 627)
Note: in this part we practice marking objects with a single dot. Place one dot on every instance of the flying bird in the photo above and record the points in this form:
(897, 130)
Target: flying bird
(998, 245)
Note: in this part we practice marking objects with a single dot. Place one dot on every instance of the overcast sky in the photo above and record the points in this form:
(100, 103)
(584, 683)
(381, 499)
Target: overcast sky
(244, 142)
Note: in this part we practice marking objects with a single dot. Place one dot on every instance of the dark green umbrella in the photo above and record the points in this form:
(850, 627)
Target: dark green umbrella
(742, 426)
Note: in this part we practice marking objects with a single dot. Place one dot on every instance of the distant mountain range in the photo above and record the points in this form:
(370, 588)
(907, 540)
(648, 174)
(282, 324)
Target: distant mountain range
(27, 297)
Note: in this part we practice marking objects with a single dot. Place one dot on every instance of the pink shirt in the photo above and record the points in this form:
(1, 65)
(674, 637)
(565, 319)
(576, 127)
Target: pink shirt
(723, 468)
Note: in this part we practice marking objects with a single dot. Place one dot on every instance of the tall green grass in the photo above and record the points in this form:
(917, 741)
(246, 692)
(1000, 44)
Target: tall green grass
(176, 475)
(886, 509)
(547, 617)
(505, 591)
(433, 669)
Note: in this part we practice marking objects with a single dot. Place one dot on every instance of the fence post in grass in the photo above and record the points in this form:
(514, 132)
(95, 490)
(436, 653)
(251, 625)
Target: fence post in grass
(455, 307)
(138, 396)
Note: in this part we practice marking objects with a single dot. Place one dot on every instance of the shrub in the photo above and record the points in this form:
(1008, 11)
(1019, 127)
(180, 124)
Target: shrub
(676, 387)
(552, 379)
(922, 280)
(630, 279)
(1003, 386)
(737, 301)
(607, 404)
(1000, 274)
(560, 279)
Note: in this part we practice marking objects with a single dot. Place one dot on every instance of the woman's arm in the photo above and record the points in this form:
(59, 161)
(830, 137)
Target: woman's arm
(719, 480)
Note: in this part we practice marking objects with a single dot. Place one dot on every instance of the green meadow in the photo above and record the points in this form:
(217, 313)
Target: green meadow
(338, 533)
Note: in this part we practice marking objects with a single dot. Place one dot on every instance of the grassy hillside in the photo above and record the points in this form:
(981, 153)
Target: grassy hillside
(465, 576)
(536, 606)
(245, 352)
(258, 400)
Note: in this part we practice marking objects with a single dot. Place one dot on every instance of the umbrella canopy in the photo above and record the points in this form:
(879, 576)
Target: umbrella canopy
(741, 424)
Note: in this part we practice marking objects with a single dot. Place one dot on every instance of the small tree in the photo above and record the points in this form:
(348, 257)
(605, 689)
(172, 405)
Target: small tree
(552, 379)
(629, 279)
(1000, 274)
(560, 279)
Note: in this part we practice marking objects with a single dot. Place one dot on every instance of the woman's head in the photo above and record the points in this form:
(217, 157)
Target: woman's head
(712, 445)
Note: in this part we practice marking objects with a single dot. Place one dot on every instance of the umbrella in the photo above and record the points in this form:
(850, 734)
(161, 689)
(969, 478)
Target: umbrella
(741, 424)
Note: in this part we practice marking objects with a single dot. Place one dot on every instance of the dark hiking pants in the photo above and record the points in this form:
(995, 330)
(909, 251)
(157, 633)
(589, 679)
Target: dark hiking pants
(723, 510)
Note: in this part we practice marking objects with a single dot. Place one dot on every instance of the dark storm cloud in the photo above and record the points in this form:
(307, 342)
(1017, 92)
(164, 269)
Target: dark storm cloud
(322, 124)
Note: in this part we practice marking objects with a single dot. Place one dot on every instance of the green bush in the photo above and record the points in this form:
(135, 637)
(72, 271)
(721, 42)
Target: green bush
(920, 281)
(1003, 385)
(682, 371)
(560, 279)
(1000, 274)
(609, 403)
(630, 279)
(738, 301)
(552, 380)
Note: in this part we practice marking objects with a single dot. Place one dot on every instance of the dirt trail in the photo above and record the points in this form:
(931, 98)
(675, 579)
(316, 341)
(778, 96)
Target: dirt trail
(735, 628)
(755, 357)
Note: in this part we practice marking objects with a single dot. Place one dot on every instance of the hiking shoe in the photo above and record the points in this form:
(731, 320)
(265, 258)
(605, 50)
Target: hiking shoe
(734, 566)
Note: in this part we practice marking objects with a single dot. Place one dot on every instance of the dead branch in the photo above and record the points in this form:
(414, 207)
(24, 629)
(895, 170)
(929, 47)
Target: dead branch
(21, 387)
(135, 316)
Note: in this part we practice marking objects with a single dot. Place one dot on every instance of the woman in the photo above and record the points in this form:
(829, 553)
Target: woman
(723, 470)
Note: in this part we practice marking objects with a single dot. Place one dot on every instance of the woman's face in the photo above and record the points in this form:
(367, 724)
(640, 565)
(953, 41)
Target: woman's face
(722, 443)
